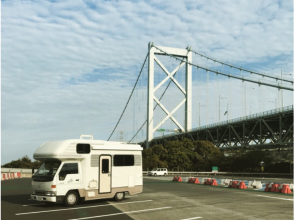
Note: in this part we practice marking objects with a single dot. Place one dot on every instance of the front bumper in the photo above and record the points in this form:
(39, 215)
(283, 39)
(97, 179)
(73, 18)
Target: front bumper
(43, 198)
(150, 174)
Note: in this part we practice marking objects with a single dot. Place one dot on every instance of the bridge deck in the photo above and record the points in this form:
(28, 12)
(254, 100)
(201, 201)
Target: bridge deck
(270, 129)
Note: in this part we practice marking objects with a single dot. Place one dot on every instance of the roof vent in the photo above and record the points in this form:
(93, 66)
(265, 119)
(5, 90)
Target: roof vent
(87, 136)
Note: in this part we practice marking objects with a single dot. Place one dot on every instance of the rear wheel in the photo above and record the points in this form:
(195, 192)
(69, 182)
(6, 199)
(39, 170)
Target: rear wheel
(71, 198)
(155, 174)
(119, 196)
(165, 174)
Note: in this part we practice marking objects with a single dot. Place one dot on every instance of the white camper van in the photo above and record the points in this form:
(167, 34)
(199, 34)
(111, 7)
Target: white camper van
(86, 169)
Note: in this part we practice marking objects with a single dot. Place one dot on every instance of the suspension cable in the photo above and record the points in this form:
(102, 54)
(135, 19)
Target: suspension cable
(228, 75)
(241, 69)
(129, 97)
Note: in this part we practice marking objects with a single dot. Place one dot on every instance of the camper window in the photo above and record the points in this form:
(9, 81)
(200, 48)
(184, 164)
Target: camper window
(123, 160)
(83, 148)
(68, 168)
(105, 166)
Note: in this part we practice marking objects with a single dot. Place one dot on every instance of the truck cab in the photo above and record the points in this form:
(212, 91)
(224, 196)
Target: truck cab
(54, 179)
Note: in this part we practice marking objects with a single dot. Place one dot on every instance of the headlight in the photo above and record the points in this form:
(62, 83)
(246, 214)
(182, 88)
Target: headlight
(50, 193)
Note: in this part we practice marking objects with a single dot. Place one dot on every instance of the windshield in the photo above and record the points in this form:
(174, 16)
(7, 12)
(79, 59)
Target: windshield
(46, 172)
(154, 169)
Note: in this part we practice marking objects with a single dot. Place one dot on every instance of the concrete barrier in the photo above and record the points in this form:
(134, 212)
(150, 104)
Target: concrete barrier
(225, 182)
(255, 184)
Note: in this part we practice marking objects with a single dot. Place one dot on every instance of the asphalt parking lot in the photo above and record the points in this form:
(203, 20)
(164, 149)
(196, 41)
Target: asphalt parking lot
(161, 199)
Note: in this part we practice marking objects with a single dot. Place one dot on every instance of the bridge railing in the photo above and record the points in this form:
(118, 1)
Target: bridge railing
(252, 116)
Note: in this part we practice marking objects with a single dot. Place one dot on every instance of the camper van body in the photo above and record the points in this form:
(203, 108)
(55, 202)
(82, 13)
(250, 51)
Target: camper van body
(86, 169)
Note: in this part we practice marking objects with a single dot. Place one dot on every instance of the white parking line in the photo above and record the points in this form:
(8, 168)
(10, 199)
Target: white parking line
(191, 218)
(276, 198)
(121, 213)
(35, 204)
(57, 210)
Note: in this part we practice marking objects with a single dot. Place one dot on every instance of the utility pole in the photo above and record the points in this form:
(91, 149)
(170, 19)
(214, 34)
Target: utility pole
(219, 98)
(199, 113)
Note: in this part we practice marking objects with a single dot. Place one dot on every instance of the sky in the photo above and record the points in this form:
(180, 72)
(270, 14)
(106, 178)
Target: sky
(68, 67)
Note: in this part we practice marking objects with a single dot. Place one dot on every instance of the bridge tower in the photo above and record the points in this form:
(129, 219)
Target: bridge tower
(186, 56)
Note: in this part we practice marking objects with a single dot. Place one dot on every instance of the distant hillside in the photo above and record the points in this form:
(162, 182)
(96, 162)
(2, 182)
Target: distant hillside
(189, 155)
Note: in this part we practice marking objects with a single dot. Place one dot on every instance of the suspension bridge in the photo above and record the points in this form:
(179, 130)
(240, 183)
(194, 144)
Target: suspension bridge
(184, 93)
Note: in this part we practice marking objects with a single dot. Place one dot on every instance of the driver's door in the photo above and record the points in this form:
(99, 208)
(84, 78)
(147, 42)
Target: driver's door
(69, 177)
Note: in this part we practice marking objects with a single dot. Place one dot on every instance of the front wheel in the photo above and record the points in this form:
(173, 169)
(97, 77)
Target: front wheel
(119, 196)
(165, 174)
(71, 198)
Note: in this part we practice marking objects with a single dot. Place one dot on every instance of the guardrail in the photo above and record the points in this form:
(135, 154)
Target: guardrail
(24, 173)
(28, 172)
(16, 170)
(224, 173)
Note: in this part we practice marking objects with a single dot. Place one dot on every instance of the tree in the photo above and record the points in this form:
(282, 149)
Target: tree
(182, 154)
(24, 162)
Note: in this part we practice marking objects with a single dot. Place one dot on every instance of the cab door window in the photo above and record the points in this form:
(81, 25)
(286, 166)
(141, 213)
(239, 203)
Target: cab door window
(67, 169)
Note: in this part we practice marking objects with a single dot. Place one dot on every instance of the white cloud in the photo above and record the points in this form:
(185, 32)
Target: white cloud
(68, 67)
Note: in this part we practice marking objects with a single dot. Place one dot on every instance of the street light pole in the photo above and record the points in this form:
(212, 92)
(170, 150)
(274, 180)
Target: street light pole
(282, 89)
(199, 113)
(219, 98)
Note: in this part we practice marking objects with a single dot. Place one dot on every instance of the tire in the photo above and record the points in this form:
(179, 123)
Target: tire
(71, 199)
(165, 174)
(155, 174)
(119, 196)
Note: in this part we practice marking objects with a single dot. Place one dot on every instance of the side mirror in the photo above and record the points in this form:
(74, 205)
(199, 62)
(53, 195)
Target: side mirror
(62, 175)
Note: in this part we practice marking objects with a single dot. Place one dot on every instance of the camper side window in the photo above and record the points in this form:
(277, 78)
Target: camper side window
(68, 168)
(83, 148)
(123, 160)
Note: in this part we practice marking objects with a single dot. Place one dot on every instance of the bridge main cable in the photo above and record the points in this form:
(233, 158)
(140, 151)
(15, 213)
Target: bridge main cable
(129, 97)
(228, 75)
(241, 69)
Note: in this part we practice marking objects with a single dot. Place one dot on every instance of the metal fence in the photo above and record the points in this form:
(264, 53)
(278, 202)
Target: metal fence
(194, 173)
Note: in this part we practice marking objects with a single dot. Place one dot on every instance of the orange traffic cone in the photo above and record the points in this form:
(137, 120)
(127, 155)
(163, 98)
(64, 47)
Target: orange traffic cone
(286, 189)
(214, 183)
(207, 182)
(234, 185)
(266, 188)
(196, 180)
(277, 189)
(180, 179)
(274, 187)
(242, 185)
(230, 184)
(175, 178)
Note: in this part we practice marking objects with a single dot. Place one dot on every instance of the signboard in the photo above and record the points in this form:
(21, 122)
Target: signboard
(215, 169)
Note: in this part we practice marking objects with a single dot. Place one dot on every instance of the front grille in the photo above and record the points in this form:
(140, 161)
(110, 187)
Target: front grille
(44, 193)
(40, 193)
